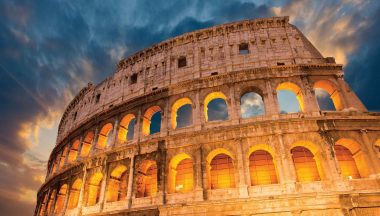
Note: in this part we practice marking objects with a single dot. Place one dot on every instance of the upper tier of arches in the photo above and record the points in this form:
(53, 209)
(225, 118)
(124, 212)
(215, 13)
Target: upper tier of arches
(208, 52)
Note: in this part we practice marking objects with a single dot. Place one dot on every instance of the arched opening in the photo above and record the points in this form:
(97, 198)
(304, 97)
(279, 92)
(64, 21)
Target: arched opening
(152, 120)
(358, 156)
(94, 189)
(182, 112)
(147, 180)
(346, 162)
(126, 129)
(63, 157)
(73, 153)
(305, 165)
(86, 144)
(327, 95)
(104, 136)
(215, 107)
(222, 172)
(251, 105)
(261, 168)
(60, 199)
(50, 203)
(180, 176)
(74, 194)
(290, 98)
(117, 184)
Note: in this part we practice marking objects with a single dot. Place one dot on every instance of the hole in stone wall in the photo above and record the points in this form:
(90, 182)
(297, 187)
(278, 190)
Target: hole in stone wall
(243, 49)
(182, 62)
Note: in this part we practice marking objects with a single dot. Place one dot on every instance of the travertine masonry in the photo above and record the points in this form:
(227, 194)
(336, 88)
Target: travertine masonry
(95, 169)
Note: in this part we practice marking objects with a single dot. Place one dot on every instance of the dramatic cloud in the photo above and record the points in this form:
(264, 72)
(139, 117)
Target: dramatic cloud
(251, 105)
(49, 50)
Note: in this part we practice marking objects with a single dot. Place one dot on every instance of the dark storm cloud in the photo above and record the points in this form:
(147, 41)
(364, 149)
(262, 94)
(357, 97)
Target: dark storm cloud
(51, 49)
(363, 70)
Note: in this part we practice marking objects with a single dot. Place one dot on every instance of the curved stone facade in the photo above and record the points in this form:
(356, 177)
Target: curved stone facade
(308, 163)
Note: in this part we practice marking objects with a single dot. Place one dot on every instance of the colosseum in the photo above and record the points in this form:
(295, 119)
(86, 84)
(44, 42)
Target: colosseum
(124, 146)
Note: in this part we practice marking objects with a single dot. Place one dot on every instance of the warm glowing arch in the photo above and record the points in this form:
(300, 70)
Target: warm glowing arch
(147, 179)
(261, 146)
(123, 129)
(333, 91)
(262, 168)
(305, 164)
(180, 175)
(117, 184)
(74, 194)
(220, 169)
(60, 199)
(148, 117)
(346, 162)
(86, 144)
(94, 189)
(357, 154)
(178, 104)
(295, 89)
(209, 98)
(104, 135)
(73, 153)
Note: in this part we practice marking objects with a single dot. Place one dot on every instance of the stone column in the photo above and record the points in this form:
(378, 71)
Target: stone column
(204, 174)
(59, 161)
(349, 98)
(161, 172)
(197, 170)
(130, 181)
(333, 171)
(243, 186)
(270, 99)
(52, 207)
(68, 153)
(197, 115)
(79, 156)
(95, 140)
(309, 100)
(373, 165)
(115, 129)
(287, 165)
(138, 126)
(81, 192)
(232, 108)
(165, 119)
(44, 209)
(103, 186)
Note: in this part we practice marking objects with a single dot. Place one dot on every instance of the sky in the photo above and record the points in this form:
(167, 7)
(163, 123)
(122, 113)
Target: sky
(50, 49)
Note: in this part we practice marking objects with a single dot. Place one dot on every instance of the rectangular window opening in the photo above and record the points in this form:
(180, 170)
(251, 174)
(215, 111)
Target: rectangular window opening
(133, 79)
(182, 62)
(243, 49)
(97, 99)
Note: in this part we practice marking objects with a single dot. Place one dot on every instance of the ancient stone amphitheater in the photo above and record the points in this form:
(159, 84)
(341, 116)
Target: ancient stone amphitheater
(110, 159)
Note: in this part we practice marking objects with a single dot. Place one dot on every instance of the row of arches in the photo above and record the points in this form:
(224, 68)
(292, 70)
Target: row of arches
(221, 172)
(215, 106)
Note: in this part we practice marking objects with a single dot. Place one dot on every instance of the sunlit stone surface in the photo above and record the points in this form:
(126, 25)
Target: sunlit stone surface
(229, 120)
